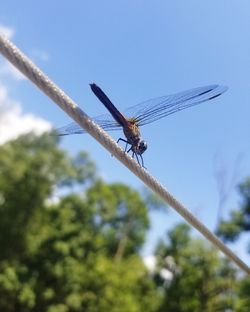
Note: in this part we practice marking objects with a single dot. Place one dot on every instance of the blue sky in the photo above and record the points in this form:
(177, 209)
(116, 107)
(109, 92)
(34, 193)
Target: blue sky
(136, 50)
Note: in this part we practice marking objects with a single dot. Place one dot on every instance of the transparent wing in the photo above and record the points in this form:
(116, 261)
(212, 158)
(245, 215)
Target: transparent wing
(157, 108)
(105, 121)
(154, 109)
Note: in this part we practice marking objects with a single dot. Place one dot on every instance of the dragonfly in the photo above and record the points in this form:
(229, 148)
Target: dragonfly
(143, 114)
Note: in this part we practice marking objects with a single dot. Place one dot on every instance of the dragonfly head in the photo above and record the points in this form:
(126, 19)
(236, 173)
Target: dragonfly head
(142, 146)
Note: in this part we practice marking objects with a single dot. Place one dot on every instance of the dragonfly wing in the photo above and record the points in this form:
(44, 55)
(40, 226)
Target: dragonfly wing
(157, 108)
(152, 110)
(104, 121)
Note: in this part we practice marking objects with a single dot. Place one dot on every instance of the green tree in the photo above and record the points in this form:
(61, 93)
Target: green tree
(76, 253)
(199, 280)
(79, 250)
(239, 220)
(120, 216)
(231, 230)
(30, 168)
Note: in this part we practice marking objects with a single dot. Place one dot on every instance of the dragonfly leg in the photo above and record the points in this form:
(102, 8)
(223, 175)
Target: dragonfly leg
(120, 139)
(130, 150)
(135, 154)
(142, 162)
(127, 143)
(126, 147)
(137, 158)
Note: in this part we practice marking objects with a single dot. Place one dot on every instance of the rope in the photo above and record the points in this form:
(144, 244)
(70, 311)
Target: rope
(31, 71)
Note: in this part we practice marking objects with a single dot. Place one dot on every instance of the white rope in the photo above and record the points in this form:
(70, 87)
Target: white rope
(30, 70)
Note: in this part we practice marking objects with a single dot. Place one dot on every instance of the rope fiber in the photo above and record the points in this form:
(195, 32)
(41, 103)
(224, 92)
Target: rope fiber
(33, 73)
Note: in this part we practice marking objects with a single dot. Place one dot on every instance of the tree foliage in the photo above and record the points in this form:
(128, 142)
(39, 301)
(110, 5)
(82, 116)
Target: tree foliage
(71, 242)
(239, 220)
(231, 230)
(76, 253)
(198, 278)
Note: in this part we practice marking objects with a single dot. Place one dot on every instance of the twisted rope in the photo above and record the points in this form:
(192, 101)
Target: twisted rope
(31, 71)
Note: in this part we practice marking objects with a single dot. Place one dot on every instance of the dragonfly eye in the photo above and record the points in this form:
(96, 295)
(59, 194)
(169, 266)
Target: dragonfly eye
(142, 146)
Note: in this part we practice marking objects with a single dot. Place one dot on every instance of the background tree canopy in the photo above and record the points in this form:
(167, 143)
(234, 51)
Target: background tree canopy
(71, 242)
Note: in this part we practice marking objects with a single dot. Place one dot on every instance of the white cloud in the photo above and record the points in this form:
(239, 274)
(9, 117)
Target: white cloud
(165, 272)
(166, 275)
(8, 70)
(40, 55)
(150, 263)
(13, 122)
(7, 31)
(54, 199)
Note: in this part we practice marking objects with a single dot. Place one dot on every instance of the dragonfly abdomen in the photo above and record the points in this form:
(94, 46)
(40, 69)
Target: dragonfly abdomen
(121, 120)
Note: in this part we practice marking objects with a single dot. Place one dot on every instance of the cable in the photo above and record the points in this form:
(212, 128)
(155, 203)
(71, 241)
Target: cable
(31, 71)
